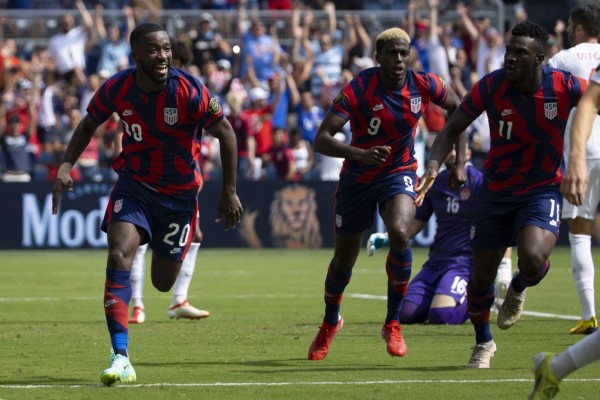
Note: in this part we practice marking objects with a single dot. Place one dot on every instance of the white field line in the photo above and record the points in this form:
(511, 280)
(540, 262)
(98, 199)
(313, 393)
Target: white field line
(324, 383)
(250, 296)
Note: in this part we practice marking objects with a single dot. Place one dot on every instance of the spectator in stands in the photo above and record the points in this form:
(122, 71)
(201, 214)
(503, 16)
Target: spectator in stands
(301, 59)
(310, 114)
(261, 49)
(207, 43)
(280, 161)
(304, 156)
(18, 112)
(436, 52)
(114, 43)
(330, 54)
(68, 46)
(258, 114)
(246, 144)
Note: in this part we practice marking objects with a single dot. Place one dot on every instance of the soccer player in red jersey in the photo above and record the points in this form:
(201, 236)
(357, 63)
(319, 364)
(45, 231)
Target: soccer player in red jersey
(163, 110)
(528, 105)
(383, 105)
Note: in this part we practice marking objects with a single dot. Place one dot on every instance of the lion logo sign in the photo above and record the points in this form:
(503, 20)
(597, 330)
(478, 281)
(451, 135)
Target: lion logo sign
(293, 220)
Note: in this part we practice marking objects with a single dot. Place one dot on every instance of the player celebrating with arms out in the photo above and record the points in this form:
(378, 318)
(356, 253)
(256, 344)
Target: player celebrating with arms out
(163, 110)
(383, 105)
(519, 204)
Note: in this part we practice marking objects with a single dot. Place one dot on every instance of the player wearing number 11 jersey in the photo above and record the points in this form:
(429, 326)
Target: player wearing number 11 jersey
(383, 105)
(527, 106)
(154, 201)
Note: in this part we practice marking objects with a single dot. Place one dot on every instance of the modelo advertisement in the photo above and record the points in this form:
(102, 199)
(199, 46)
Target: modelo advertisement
(276, 214)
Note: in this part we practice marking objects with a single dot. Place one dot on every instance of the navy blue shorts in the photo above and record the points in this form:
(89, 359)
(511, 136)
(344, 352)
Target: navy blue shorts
(498, 218)
(356, 203)
(168, 221)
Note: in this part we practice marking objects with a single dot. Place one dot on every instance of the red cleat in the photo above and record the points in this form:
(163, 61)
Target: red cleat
(138, 316)
(320, 346)
(392, 333)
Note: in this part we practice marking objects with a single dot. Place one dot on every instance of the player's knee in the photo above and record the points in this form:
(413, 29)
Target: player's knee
(530, 263)
(162, 286)
(399, 238)
(118, 260)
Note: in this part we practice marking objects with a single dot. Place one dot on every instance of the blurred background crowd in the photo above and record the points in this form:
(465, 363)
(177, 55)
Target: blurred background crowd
(275, 65)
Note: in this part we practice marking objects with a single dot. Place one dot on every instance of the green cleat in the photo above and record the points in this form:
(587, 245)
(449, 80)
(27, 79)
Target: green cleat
(120, 370)
(546, 384)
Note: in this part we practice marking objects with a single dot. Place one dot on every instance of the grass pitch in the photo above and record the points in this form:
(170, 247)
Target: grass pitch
(266, 308)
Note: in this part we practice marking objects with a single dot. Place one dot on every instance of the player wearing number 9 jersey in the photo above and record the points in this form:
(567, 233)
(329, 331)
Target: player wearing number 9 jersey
(383, 105)
(527, 106)
(154, 200)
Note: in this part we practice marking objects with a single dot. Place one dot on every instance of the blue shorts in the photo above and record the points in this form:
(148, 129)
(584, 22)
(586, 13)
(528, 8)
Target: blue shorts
(498, 218)
(168, 221)
(449, 277)
(356, 203)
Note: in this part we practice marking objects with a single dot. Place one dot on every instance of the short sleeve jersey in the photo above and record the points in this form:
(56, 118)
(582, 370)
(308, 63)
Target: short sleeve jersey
(162, 130)
(527, 129)
(386, 117)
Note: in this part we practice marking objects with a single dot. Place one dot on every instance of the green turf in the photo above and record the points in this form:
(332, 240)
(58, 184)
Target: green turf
(267, 306)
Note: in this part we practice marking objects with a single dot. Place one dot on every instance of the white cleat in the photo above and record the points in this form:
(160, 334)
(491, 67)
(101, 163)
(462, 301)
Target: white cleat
(186, 310)
(482, 355)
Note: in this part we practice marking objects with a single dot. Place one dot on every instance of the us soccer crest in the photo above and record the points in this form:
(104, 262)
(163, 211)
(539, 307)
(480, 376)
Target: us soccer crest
(550, 110)
(118, 205)
(415, 104)
(170, 116)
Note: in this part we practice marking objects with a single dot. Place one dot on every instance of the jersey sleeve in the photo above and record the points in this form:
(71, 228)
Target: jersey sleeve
(576, 87)
(209, 108)
(438, 89)
(345, 102)
(473, 103)
(100, 107)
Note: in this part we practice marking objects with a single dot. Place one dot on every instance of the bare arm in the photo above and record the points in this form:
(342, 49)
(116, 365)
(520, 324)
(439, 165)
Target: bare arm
(326, 144)
(81, 138)
(441, 147)
(575, 179)
(229, 203)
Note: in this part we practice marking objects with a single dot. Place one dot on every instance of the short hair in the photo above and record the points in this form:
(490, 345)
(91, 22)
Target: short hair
(532, 30)
(588, 16)
(141, 30)
(389, 35)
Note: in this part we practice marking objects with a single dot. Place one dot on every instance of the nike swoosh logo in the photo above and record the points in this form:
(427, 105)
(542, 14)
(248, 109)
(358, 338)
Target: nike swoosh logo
(506, 112)
(127, 112)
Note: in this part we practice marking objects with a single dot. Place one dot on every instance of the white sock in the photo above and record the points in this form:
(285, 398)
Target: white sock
(137, 276)
(182, 284)
(583, 272)
(578, 355)
(505, 268)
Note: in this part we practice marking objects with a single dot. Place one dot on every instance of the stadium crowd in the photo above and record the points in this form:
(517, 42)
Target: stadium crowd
(274, 94)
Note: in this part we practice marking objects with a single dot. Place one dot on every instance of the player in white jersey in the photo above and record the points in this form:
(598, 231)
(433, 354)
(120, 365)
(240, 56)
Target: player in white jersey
(550, 369)
(581, 60)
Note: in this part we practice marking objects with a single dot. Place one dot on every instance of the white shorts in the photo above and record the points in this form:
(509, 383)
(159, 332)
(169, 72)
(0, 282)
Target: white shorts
(592, 196)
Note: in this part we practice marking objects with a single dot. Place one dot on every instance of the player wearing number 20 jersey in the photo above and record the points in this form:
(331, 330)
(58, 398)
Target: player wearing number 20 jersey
(161, 144)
